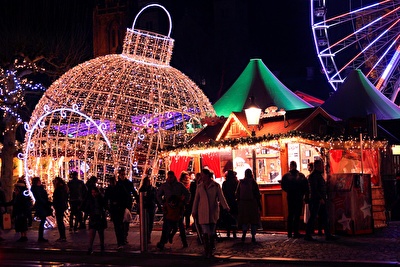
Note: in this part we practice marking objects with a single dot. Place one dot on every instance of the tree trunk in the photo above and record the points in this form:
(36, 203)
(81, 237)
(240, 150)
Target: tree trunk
(7, 156)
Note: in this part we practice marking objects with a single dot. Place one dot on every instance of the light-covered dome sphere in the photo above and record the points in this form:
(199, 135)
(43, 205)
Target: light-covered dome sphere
(115, 111)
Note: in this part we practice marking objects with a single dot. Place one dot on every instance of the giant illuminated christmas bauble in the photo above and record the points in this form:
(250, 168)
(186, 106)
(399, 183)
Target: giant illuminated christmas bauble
(115, 111)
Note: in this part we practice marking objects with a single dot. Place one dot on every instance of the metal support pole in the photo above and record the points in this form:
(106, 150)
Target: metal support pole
(254, 163)
(143, 224)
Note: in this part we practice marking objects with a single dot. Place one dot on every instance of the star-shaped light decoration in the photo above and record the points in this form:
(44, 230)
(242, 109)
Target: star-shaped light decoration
(345, 222)
(366, 209)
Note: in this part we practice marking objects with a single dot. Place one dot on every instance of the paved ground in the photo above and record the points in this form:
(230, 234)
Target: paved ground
(377, 249)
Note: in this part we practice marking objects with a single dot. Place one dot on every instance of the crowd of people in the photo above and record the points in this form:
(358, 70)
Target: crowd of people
(194, 202)
(85, 201)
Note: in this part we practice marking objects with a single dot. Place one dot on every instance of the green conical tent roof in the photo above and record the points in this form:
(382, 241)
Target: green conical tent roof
(358, 97)
(258, 81)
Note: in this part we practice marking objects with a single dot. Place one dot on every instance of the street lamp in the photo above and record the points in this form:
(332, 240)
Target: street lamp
(253, 113)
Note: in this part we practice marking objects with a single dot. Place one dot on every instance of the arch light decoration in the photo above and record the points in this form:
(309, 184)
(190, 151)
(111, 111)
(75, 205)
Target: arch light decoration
(40, 123)
(146, 104)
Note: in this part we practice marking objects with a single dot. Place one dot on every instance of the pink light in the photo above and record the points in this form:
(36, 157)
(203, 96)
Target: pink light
(389, 67)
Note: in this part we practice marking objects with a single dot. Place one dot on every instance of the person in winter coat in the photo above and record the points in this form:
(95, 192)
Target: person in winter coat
(128, 191)
(229, 187)
(21, 212)
(42, 205)
(149, 203)
(185, 180)
(77, 193)
(91, 182)
(2, 208)
(164, 192)
(115, 197)
(249, 204)
(172, 214)
(60, 205)
(193, 187)
(295, 184)
(205, 209)
(96, 207)
(318, 198)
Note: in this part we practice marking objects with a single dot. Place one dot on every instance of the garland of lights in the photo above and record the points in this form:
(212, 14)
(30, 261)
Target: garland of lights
(329, 142)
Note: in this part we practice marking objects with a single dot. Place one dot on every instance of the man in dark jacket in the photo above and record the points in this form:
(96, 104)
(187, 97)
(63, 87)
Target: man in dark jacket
(60, 205)
(42, 205)
(128, 193)
(77, 193)
(318, 198)
(295, 184)
(115, 199)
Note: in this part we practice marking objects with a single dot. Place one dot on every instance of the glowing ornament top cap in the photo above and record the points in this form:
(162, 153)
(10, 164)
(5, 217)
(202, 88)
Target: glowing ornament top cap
(148, 47)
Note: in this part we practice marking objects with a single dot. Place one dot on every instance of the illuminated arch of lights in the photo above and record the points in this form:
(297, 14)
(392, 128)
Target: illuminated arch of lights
(40, 123)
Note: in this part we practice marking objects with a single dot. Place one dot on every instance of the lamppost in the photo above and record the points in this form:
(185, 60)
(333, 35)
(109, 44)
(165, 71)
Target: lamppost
(253, 116)
(253, 113)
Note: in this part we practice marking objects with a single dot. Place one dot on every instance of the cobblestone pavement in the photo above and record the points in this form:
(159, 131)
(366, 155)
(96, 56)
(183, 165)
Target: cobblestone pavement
(380, 248)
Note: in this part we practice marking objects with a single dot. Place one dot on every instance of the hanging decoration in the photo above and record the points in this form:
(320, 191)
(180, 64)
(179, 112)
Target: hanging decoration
(145, 104)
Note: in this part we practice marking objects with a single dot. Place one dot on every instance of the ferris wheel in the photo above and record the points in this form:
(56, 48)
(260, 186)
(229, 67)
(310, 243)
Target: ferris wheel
(359, 34)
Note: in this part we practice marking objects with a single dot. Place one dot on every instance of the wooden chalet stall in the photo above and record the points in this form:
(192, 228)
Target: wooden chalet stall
(227, 143)
(296, 132)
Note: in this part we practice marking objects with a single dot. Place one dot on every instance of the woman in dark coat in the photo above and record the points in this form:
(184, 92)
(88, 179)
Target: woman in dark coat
(96, 207)
(249, 204)
(22, 205)
(60, 205)
(149, 203)
(42, 205)
(229, 187)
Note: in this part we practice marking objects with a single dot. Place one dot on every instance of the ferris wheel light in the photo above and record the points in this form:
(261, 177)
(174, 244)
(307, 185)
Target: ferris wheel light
(327, 70)
(370, 45)
(393, 62)
(320, 11)
(322, 42)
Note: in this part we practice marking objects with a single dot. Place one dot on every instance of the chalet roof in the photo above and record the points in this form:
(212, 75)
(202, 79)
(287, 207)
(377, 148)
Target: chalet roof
(314, 101)
(358, 97)
(210, 132)
(276, 125)
(258, 81)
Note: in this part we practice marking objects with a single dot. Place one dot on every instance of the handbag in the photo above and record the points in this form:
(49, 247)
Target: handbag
(6, 221)
(306, 215)
(127, 216)
(228, 220)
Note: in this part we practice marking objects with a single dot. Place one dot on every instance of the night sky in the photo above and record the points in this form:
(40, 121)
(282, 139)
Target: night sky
(214, 40)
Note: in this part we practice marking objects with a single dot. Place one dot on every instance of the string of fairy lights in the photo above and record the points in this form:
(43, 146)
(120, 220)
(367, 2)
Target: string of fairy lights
(328, 142)
(13, 85)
